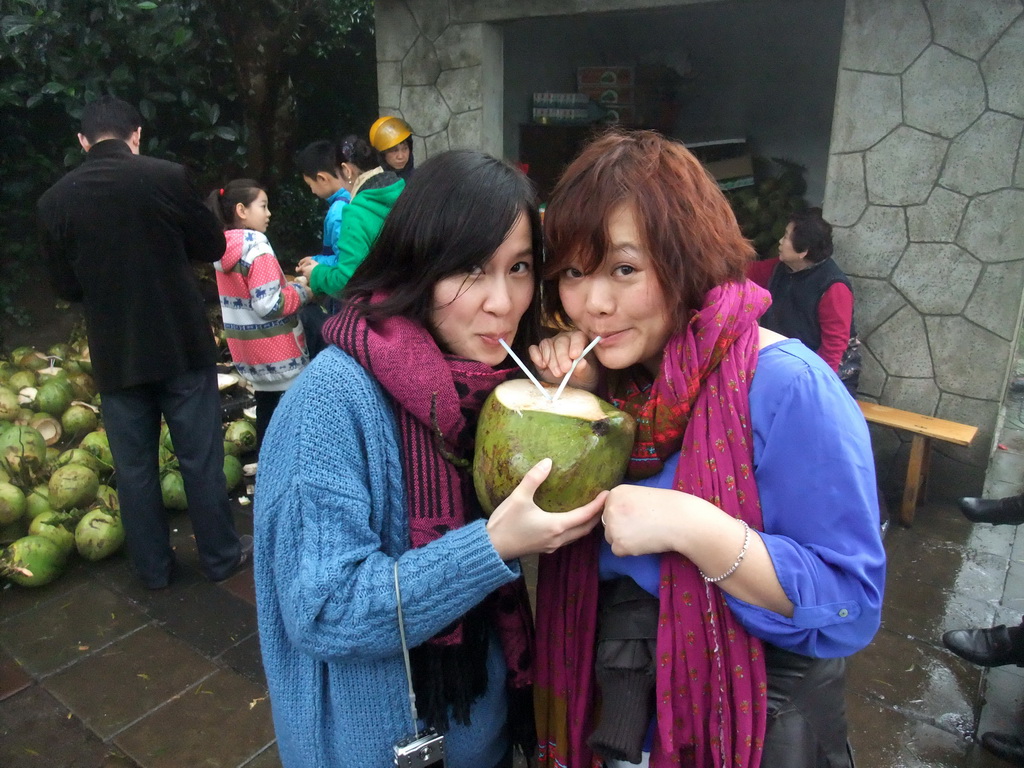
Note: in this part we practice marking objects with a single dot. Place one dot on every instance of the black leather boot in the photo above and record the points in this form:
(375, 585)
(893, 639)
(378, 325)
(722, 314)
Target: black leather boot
(1005, 746)
(1008, 511)
(988, 647)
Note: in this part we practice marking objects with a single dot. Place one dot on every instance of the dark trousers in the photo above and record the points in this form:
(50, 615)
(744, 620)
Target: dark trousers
(266, 403)
(806, 712)
(190, 404)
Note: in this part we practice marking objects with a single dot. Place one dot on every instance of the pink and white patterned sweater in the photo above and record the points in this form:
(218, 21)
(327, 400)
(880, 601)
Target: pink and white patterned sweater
(259, 306)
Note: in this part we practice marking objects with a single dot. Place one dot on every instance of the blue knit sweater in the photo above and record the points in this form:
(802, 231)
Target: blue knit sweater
(330, 518)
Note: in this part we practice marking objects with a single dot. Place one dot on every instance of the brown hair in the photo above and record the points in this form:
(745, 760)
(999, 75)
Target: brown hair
(684, 220)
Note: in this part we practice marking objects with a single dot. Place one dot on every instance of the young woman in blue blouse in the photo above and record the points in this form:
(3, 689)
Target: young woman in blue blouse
(705, 623)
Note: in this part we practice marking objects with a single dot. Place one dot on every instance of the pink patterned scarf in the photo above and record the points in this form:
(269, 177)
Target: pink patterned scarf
(711, 683)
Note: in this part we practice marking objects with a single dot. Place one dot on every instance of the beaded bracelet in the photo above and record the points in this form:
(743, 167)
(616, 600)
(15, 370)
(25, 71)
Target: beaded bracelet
(739, 558)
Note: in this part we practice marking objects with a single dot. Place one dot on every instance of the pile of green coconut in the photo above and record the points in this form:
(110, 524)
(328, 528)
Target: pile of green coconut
(58, 482)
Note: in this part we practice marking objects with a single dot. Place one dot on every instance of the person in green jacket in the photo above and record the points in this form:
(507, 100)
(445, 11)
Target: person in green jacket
(373, 196)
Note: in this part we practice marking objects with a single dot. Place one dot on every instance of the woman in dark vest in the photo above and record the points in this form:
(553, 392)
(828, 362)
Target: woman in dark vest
(811, 296)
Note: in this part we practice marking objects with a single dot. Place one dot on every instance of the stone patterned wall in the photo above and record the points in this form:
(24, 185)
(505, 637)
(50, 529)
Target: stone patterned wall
(441, 75)
(925, 183)
(926, 191)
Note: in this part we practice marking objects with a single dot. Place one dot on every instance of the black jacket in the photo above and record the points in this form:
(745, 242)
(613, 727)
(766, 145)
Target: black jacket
(117, 233)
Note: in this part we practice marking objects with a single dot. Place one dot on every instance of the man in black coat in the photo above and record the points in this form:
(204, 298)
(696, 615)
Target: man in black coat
(117, 234)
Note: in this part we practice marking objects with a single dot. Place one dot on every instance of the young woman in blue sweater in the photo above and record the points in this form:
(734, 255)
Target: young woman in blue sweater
(366, 463)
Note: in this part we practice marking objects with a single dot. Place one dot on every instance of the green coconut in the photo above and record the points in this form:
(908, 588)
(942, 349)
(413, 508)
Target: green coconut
(588, 440)
(79, 419)
(243, 434)
(32, 360)
(107, 497)
(99, 534)
(32, 561)
(4, 475)
(82, 359)
(12, 503)
(48, 427)
(73, 485)
(232, 472)
(231, 449)
(37, 501)
(58, 527)
(172, 488)
(53, 397)
(23, 455)
(10, 407)
(6, 369)
(79, 456)
(52, 373)
(98, 445)
(61, 351)
(22, 379)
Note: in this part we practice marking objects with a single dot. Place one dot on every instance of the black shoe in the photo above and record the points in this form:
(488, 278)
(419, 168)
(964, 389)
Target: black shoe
(1005, 746)
(1008, 511)
(244, 556)
(985, 647)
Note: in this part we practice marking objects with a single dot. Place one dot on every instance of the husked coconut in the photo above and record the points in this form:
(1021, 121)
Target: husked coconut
(588, 440)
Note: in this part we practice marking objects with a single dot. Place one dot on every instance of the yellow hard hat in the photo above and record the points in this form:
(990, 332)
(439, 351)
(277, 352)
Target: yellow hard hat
(387, 132)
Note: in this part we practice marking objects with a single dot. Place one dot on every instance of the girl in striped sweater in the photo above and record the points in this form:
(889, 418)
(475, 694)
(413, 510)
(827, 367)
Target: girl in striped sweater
(259, 306)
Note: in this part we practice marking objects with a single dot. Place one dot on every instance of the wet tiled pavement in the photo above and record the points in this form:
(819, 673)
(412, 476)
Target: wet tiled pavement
(97, 672)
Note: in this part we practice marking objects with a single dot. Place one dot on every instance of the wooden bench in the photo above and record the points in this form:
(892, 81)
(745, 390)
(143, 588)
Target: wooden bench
(925, 429)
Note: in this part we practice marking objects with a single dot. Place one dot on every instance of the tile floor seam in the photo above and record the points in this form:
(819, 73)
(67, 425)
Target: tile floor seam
(166, 702)
(90, 653)
(251, 635)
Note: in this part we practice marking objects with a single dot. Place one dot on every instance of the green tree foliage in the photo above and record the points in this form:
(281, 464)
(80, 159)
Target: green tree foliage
(219, 84)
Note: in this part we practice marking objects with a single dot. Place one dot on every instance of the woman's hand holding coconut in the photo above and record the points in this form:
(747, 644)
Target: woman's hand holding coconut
(519, 527)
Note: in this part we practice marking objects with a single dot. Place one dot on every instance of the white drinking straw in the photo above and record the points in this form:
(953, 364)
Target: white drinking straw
(526, 370)
(568, 375)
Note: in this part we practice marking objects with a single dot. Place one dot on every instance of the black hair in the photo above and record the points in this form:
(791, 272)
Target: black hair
(223, 201)
(325, 156)
(404, 173)
(109, 116)
(319, 157)
(451, 217)
(356, 150)
(811, 233)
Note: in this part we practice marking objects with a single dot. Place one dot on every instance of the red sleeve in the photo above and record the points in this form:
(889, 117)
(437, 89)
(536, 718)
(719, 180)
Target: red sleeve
(760, 272)
(835, 315)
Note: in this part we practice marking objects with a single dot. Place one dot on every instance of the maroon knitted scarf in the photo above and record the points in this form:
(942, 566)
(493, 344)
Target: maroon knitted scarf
(436, 400)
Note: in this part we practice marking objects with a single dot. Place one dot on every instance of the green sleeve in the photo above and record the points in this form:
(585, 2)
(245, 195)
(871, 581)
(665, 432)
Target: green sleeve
(359, 230)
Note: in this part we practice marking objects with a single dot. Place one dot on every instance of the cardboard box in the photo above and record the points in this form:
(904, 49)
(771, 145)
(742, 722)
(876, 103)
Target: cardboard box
(733, 173)
(606, 76)
(602, 94)
(728, 160)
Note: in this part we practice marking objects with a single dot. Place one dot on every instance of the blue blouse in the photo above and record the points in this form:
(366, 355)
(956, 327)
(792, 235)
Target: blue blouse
(816, 477)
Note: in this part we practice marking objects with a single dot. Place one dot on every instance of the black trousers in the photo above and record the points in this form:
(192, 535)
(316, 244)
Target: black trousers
(806, 712)
(190, 403)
